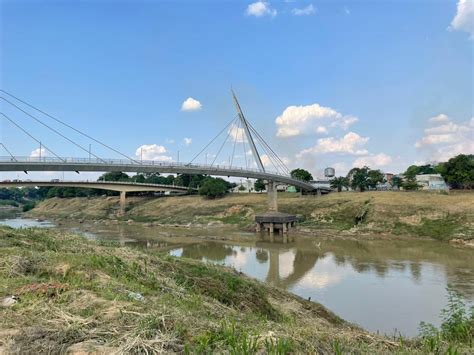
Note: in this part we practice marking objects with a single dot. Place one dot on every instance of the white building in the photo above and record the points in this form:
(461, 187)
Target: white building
(431, 182)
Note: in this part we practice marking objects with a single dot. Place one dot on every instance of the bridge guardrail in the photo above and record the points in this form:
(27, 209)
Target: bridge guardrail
(141, 163)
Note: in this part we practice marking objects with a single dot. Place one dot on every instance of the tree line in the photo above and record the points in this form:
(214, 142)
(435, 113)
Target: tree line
(457, 172)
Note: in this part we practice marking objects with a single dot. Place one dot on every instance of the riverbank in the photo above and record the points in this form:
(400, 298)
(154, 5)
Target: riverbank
(375, 214)
(78, 295)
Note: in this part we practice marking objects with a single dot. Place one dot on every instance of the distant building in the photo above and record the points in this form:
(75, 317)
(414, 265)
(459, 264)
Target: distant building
(431, 182)
(388, 178)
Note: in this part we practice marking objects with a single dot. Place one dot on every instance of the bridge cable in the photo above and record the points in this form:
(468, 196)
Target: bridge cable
(222, 146)
(262, 141)
(31, 136)
(245, 149)
(212, 141)
(269, 158)
(235, 141)
(54, 130)
(280, 169)
(71, 127)
(4, 147)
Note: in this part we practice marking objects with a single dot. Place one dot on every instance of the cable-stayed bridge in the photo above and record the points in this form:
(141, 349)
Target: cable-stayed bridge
(238, 132)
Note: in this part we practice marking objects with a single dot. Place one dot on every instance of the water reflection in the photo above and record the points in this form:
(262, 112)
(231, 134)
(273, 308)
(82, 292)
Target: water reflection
(382, 285)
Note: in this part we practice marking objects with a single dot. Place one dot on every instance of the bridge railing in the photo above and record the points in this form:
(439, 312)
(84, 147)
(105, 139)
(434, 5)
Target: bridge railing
(137, 163)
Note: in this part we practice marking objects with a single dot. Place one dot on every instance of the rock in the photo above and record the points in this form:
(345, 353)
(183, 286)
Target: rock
(130, 221)
(136, 296)
(8, 301)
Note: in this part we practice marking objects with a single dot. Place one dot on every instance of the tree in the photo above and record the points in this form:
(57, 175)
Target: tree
(139, 178)
(396, 181)
(114, 176)
(375, 177)
(359, 178)
(410, 184)
(259, 185)
(214, 187)
(459, 171)
(301, 174)
(339, 183)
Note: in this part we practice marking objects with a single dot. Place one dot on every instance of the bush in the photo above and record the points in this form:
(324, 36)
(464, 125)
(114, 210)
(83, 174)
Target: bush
(213, 187)
(29, 206)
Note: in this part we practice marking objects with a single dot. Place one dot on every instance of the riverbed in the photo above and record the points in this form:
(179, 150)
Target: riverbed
(385, 286)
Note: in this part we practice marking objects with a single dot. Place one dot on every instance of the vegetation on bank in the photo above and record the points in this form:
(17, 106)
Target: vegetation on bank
(411, 214)
(79, 295)
(76, 294)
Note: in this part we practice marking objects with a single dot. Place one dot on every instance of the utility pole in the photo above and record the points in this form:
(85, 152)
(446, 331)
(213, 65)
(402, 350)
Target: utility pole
(89, 153)
(40, 151)
(178, 156)
(141, 155)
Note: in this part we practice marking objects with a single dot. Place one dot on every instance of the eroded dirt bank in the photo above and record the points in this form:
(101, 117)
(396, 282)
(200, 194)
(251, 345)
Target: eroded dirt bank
(369, 214)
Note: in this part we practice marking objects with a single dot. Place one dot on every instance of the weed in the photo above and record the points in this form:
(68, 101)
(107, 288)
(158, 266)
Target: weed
(457, 327)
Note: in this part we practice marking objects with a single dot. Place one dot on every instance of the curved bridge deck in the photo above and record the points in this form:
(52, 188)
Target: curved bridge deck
(121, 186)
(149, 166)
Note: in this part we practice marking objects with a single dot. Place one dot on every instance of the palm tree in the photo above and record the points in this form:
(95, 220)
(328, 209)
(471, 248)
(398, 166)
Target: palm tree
(339, 182)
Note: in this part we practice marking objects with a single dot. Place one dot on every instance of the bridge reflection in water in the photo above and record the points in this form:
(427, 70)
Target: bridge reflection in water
(381, 285)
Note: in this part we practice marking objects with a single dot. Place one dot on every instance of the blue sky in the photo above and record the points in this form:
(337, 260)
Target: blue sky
(327, 83)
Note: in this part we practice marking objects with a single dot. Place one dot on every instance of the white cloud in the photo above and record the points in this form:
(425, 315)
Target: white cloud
(188, 141)
(261, 8)
(347, 11)
(169, 140)
(298, 120)
(237, 134)
(321, 129)
(440, 118)
(351, 143)
(449, 127)
(152, 152)
(373, 161)
(36, 153)
(308, 10)
(191, 104)
(446, 140)
(464, 19)
(345, 122)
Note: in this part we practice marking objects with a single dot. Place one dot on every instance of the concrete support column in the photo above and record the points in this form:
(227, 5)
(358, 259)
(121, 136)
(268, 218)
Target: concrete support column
(272, 196)
(123, 196)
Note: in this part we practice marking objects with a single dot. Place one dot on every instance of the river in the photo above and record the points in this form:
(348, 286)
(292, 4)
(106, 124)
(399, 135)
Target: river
(385, 286)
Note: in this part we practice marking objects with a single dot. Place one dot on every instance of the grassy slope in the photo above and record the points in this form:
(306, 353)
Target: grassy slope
(397, 213)
(74, 294)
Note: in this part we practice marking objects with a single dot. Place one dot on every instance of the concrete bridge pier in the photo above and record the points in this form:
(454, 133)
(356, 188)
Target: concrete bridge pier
(272, 196)
(123, 196)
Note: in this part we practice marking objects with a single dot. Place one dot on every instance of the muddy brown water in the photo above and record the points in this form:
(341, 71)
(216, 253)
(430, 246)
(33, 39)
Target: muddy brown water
(385, 286)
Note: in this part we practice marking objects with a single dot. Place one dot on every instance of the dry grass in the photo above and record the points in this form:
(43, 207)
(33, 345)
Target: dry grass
(75, 297)
(420, 214)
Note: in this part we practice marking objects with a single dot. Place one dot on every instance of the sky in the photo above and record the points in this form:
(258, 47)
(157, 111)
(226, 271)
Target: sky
(326, 83)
